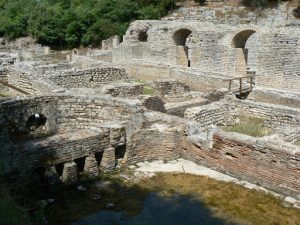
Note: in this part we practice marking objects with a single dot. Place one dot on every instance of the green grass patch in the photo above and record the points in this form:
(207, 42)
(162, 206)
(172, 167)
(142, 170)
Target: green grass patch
(4, 95)
(139, 81)
(148, 90)
(249, 125)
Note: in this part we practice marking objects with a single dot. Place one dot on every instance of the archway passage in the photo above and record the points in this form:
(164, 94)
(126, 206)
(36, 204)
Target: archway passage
(239, 40)
(245, 45)
(180, 39)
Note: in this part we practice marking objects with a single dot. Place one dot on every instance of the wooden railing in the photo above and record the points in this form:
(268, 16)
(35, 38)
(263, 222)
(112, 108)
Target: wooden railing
(241, 89)
(13, 87)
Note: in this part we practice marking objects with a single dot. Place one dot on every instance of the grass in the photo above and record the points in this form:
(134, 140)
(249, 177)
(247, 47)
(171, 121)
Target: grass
(249, 125)
(148, 90)
(139, 81)
(4, 95)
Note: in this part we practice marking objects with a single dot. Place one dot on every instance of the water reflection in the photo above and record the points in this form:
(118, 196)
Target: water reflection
(176, 210)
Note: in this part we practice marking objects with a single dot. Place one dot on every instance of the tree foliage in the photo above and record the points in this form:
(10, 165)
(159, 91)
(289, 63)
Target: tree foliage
(75, 22)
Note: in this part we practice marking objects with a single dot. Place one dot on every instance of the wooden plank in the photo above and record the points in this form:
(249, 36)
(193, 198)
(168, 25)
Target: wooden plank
(13, 87)
(237, 78)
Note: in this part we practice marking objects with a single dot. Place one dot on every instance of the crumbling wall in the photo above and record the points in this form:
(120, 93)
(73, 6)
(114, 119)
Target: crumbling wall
(3, 77)
(124, 89)
(214, 51)
(273, 96)
(169, 87)
(248, 159)
(74, 128)
(29, 82)
(274, 115)
(217, 113)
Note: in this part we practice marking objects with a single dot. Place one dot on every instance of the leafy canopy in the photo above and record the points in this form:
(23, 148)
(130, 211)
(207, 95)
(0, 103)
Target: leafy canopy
(75, 22)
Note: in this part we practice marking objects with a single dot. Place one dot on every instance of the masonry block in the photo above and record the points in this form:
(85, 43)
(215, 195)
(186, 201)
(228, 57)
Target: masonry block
(70, 175)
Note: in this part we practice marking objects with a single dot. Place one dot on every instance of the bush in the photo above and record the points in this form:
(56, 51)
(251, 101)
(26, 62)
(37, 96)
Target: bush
(260, 3)
(71, 23)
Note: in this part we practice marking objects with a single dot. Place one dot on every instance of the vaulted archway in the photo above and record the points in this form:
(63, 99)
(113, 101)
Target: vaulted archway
(245, 45)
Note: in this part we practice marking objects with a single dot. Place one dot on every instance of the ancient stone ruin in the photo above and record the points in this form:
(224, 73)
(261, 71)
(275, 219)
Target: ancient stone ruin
(169, 90)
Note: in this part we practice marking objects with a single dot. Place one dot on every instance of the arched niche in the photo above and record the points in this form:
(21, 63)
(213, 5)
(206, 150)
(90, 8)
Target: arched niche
(180, 36)
(143, 36)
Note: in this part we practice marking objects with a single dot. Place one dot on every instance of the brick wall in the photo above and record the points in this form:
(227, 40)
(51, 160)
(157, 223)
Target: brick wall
(268, 166)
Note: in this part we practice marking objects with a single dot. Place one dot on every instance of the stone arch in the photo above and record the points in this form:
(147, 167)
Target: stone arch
(240, 39)
(180, 36)
(35, 121)
(75, 52)
(243, 45)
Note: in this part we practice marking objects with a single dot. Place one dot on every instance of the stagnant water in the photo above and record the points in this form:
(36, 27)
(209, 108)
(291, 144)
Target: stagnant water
(166, 199)
(173, 210)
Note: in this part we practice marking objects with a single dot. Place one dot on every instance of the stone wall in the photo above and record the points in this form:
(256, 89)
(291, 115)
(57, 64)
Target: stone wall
(273, 96)
(195, 79)
(52, 68)
(217, 113)
(110, 43)
(90, 78)
(3, 77)
(274, 115)
(29, 82)
(225, 112)
(169, 87)
(124, 89)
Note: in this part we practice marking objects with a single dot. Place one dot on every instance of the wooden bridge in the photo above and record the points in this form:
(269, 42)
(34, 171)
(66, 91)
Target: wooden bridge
(240, 85)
